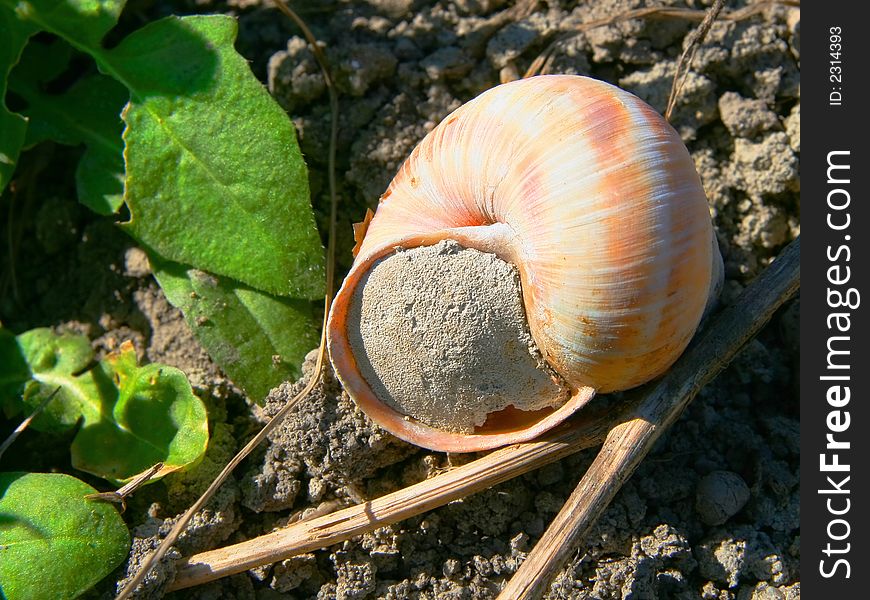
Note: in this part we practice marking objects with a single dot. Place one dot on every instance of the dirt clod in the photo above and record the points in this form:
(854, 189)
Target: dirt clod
(720, 495)
(440, 334)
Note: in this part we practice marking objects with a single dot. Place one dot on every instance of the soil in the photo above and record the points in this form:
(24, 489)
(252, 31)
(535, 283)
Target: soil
(441, 334)
(712, 513)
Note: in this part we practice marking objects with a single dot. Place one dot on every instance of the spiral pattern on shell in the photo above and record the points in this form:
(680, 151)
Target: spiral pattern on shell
(594, 198)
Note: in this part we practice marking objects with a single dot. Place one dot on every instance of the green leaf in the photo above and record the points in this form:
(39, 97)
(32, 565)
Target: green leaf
(88, 113)
(259, 340)
(55, 363)
(132, 417)
(154, 417)
(55, 543)
(215, 177)
(14, 34)
(83, 23)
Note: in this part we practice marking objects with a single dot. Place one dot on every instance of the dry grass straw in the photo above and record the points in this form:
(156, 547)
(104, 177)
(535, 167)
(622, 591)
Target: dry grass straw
(544, 61)
(183, 521)
(632, 434)
(627, 434)
(631, 439)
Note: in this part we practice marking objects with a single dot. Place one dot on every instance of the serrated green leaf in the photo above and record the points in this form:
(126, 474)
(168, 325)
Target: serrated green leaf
(215, 177)
(154, 417)
(55, 543)
(88, 113)
(259, 340)
(14, 34)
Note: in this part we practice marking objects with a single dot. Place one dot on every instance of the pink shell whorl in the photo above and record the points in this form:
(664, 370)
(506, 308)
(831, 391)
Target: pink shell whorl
(594, 197)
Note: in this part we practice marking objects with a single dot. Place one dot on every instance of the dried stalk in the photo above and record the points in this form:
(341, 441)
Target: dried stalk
(629, 442)
(304, 536)
(541, 65)
(183, 521)
(119, 496)
(615, 462)
(651, 414)
(688, 55)
(26, 422)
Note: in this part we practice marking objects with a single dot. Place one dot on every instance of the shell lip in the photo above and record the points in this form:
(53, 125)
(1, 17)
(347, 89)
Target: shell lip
(499, 431)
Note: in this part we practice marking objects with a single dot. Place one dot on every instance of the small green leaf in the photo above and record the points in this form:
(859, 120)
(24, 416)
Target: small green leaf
(132, 416)
(88, 113)
(55, 363)
(40, 63)
(154, 417)
(215, 177)
(259, 340)
(13, 127)
(55, 543)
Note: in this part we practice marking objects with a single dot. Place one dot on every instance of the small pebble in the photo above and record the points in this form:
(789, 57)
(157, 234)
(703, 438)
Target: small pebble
(720, 495)
(136, 263)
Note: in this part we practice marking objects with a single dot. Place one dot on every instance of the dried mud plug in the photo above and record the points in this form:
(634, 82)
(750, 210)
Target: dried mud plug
(550, 239)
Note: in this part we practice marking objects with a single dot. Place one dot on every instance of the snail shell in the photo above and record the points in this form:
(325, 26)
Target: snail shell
(592, 195)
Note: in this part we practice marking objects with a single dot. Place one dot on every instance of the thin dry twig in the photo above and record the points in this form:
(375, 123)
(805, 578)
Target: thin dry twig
(519, 11)
(496, 467)
(183, 521)
(542, 64)
(119, 496)
(688, 55)
(304, 536)
(655, 409)
(629, 442)
(26, 422)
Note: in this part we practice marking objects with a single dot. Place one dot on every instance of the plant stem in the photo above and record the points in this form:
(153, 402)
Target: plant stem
(633, 432)
(629, 442)
(468, 479)
(181, 524)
